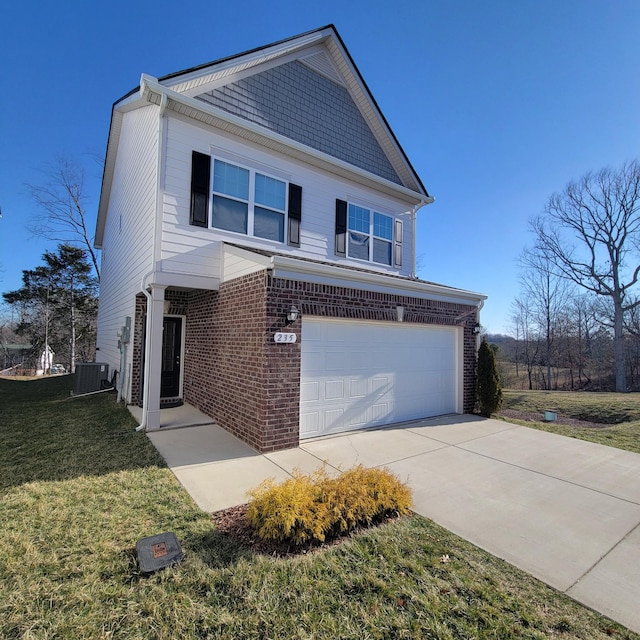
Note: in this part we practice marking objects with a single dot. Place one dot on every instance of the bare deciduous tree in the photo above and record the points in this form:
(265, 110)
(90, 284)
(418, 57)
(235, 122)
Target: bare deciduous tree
(62, 198)
(548, 296)
(590, 232)
(527, 338)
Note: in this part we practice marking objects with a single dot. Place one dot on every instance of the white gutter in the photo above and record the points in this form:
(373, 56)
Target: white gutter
(414, 215)
(480, 305)
(283, 265)
(157, 229)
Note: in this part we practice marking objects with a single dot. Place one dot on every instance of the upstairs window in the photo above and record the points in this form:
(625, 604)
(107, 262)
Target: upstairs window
(248, 202)
(270, 205)
(230, 197)
(370, 235)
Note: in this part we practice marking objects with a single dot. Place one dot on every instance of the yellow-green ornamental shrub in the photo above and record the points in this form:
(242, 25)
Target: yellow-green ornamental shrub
(362, 495)
(293, 510)
(310, 508)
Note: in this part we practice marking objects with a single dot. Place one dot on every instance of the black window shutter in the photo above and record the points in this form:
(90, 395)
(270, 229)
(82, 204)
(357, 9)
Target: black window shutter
(295, 214)
(397, 249)
(341, 228)
(200, 176)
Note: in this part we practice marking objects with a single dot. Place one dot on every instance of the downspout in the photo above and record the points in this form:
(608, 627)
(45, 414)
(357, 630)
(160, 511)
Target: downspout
(480, 305)
(414, 215)
(143, 284)
(157, 237)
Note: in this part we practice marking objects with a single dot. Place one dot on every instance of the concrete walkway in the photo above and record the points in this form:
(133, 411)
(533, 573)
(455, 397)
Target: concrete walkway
(564, 510)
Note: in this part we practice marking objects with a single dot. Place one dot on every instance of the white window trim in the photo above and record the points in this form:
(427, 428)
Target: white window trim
(371, 235)
(251, 203)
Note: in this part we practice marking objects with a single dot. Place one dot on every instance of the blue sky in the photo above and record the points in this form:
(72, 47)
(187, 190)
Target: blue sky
(498, 104)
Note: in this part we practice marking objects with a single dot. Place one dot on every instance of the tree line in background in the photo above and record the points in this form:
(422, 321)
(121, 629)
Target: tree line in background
(55, 309)
(576, 322)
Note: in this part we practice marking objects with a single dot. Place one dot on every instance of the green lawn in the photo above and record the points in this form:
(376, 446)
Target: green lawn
(80, 487)
(619, 410)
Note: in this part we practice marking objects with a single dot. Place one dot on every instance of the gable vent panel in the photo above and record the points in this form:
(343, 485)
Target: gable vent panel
(321, 63)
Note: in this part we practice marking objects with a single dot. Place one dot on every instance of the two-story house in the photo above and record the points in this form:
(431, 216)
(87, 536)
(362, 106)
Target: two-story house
(257, 225)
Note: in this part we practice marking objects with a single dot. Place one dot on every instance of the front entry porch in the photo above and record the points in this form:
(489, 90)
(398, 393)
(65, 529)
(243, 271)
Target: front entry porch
(176, 417)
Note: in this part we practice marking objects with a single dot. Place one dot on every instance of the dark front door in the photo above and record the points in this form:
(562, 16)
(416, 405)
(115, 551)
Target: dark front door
(171, 348)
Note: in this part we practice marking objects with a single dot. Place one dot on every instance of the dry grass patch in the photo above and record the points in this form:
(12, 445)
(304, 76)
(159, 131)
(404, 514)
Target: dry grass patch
(80, 488)
(615, 416)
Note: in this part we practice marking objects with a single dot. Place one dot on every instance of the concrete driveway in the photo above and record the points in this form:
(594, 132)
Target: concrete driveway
(564, 510)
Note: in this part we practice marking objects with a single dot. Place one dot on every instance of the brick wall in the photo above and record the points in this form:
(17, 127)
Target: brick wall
(138, 349)
(230, 369)
(235, 372)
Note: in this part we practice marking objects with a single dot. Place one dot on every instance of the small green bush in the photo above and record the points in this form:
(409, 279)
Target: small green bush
(312, 508)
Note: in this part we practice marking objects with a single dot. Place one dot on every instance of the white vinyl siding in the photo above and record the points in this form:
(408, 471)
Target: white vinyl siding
(355, 374)
(127, 245)
(236, 263)
(189, 249)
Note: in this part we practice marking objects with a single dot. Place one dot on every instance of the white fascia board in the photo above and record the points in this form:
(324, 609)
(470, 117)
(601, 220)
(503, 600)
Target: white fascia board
(107, 176)
(131, 102)
(284, 267)
(200, 78)
(182, 281)
(153, 91)
(216, 80)
(371, 112)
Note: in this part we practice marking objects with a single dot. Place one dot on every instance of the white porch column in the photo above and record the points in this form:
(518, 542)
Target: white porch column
(153, 357)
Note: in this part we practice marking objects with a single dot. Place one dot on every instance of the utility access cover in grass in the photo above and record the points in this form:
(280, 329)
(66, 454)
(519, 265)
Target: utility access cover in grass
(158, 552)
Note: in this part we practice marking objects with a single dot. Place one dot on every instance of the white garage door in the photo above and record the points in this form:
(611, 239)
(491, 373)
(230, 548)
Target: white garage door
(361, 374)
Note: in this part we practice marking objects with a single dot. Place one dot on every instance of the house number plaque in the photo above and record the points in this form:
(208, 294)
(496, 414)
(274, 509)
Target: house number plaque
(285, 338)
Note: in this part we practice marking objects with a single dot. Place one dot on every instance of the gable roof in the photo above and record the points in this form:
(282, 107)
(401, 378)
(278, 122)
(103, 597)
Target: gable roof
(209, 92)
(324, 51)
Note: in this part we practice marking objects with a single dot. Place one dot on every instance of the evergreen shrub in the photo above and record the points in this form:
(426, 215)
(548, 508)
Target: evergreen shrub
(314, 508)
(488, 386)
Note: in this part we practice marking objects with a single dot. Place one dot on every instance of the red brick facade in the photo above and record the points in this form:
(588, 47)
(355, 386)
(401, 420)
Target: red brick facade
(235, 372)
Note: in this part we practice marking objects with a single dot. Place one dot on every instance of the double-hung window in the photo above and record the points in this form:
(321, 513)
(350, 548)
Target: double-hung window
(246, 201)
(230, 197)
(370, 235)
(270, 201)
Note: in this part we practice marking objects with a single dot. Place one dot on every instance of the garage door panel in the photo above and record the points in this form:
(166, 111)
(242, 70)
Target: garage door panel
(358, 388)
(381, 384)
(310, 423)
(380, 413)
(334, 389)
(333, 418)
(313, 362)
(309, 391)
(359, 360)
(357, 374)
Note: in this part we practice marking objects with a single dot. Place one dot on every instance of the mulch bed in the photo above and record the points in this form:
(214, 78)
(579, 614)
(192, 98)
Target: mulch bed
(532, 416)
(233, 522)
